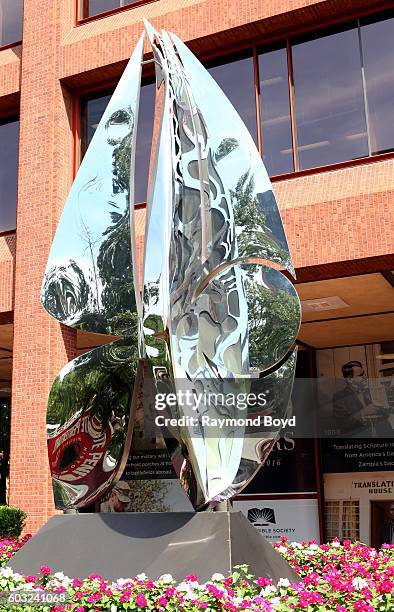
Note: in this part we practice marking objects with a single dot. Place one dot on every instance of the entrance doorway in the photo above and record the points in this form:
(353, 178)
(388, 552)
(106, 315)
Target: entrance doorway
(382, 523)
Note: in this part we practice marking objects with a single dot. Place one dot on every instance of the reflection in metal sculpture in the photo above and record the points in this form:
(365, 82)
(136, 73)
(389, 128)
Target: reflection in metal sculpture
(217, 313)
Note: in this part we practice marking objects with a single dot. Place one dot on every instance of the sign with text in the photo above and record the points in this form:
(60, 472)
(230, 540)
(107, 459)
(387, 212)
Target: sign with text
(358, 455)
(297, 519)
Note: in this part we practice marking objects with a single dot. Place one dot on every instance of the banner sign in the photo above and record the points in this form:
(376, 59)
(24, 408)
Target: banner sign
(297, 519)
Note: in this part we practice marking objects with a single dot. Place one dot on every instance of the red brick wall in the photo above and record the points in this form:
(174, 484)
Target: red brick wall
(329, 217)
(41, 346)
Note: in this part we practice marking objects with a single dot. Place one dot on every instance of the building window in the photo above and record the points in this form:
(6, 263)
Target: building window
(92, 111)
(275, 111)
(9, 140)
(329, 100)
(342, 520)
(11, 14)
(377, 41)
(95, 7)
(321, 99)
(236, 79)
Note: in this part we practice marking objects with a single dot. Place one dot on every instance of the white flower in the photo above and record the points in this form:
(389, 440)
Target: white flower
(187, 587)
(314, 547)
(359, 583)
(282, 549)
(283, 582)
(275, 601)
(6, 572)
(113, 608)
(166, 578)
(29, 586)
(120, 582)
(267, 590)
(59, 575)
(335, 544)
(142, 576)
(217, 577)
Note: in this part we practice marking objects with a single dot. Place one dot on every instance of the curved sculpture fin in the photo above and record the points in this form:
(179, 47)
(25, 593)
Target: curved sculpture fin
(88, 282)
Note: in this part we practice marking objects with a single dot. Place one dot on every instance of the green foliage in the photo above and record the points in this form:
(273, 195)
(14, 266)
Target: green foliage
(273, 321)
(12, 521)
(256, 237)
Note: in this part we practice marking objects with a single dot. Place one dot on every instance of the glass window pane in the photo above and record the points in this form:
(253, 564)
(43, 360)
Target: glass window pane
(9, 139)
(275, 112)
(377, 38)
(329, 100)
(236, 78)
(144, 141)
(11, 13)
(94, 7)
(94, 111)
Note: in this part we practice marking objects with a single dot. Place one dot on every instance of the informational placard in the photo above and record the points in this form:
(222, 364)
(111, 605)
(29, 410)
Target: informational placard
(148, 484)
(297, 519)
(358, 455)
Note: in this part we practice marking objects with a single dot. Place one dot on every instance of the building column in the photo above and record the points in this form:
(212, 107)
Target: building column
(41, 345)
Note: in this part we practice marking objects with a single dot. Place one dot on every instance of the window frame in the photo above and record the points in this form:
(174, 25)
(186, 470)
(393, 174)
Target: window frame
(12, 118)
(82, 10)
(253, 50)
(342, 525)
(14, 43)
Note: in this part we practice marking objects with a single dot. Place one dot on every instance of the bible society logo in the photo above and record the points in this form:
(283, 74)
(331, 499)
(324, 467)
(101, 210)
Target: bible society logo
(261, 517)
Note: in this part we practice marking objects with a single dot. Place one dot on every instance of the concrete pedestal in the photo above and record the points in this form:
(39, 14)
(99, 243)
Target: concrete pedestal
(125, 544)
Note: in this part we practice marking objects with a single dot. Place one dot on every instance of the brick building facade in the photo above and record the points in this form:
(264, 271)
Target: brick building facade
(338, 216)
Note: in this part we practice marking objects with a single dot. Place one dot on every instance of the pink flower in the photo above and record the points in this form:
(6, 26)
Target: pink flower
(162, 601)
(387, 586)
(94, 597)
(45, 570)
(191, 578)
(31, 579)
(141, 601)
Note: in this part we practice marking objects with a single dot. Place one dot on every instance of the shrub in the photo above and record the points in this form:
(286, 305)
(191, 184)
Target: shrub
(12, 521)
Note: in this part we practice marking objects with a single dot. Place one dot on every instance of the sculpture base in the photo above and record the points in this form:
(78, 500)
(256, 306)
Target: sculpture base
(126, 544)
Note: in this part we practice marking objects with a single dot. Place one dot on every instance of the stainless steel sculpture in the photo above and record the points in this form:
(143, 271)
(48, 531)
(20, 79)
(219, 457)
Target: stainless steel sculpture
(213, 310)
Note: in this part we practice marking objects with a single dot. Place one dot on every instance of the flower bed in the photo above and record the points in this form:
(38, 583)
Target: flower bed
(341, 577)
(9, 546)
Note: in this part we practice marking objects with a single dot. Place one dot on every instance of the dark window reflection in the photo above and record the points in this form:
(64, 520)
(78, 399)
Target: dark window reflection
(378, 56)
(288, 469)
(11, 14)
(94, 7)
(9, 139)
(94, 110)
(329, 101)
(236, 78)
(275, 112)
(144, 140)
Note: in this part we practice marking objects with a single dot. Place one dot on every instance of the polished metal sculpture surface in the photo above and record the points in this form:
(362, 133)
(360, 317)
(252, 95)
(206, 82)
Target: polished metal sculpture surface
(213, 312)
